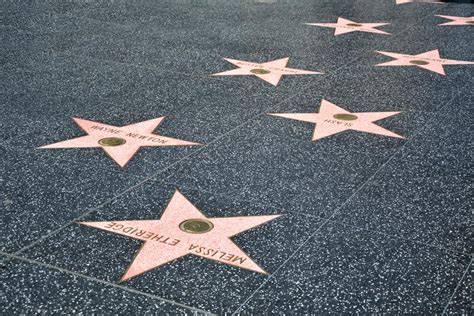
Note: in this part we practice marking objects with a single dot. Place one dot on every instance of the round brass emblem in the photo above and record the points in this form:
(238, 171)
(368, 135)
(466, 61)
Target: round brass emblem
(345, 117)
(259, 71)
(419, 62)
(196, 226)
(112, 141)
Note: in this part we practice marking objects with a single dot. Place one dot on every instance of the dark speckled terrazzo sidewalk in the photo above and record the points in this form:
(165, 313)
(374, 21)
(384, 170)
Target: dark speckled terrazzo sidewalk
(369, 223)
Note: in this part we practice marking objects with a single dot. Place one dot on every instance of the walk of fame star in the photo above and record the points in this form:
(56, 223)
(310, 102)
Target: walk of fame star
(332, 119)
(271, 71)
(120, 143)
(417, 1)
(457, 20)
(429, 61)
(346, 26)
(184, 230)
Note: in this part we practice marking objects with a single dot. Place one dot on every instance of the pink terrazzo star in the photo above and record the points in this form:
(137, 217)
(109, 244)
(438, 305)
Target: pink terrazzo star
(184, 230)
(457, 20)
(417, 1)
(346, 26)
(120, 143)
(429, 61)
(332, 119)
(271, 71)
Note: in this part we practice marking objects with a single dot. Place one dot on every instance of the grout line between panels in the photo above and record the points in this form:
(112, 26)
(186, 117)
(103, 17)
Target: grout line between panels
(122, 287)
(458, 286)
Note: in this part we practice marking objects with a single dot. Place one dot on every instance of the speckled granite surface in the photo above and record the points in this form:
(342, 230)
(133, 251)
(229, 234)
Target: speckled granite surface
(370, 223)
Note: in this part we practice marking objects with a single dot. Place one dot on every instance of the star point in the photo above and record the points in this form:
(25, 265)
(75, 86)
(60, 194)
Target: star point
(270, 72)
(430, 60)
(344, 26)
(120, 143)
(457, 20)
(332, 119)
(184, 230)
(417, 1)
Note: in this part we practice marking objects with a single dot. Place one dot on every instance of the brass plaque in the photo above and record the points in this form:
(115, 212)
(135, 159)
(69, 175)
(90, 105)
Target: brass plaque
(354, 24)
(196, 226)
(345, 117)
(112, 141)
(419, 62)
(259, 71)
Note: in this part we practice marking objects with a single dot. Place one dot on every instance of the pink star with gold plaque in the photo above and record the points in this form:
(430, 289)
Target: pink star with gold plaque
(417, 1)
(347, 26)
(183, 230)
(120, 142)
(333, 119)
(457, 20)
(271, 71)
(430, 61)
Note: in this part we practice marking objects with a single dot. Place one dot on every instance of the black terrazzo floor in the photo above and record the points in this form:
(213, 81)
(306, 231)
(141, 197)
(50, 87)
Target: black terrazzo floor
(370, 223)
